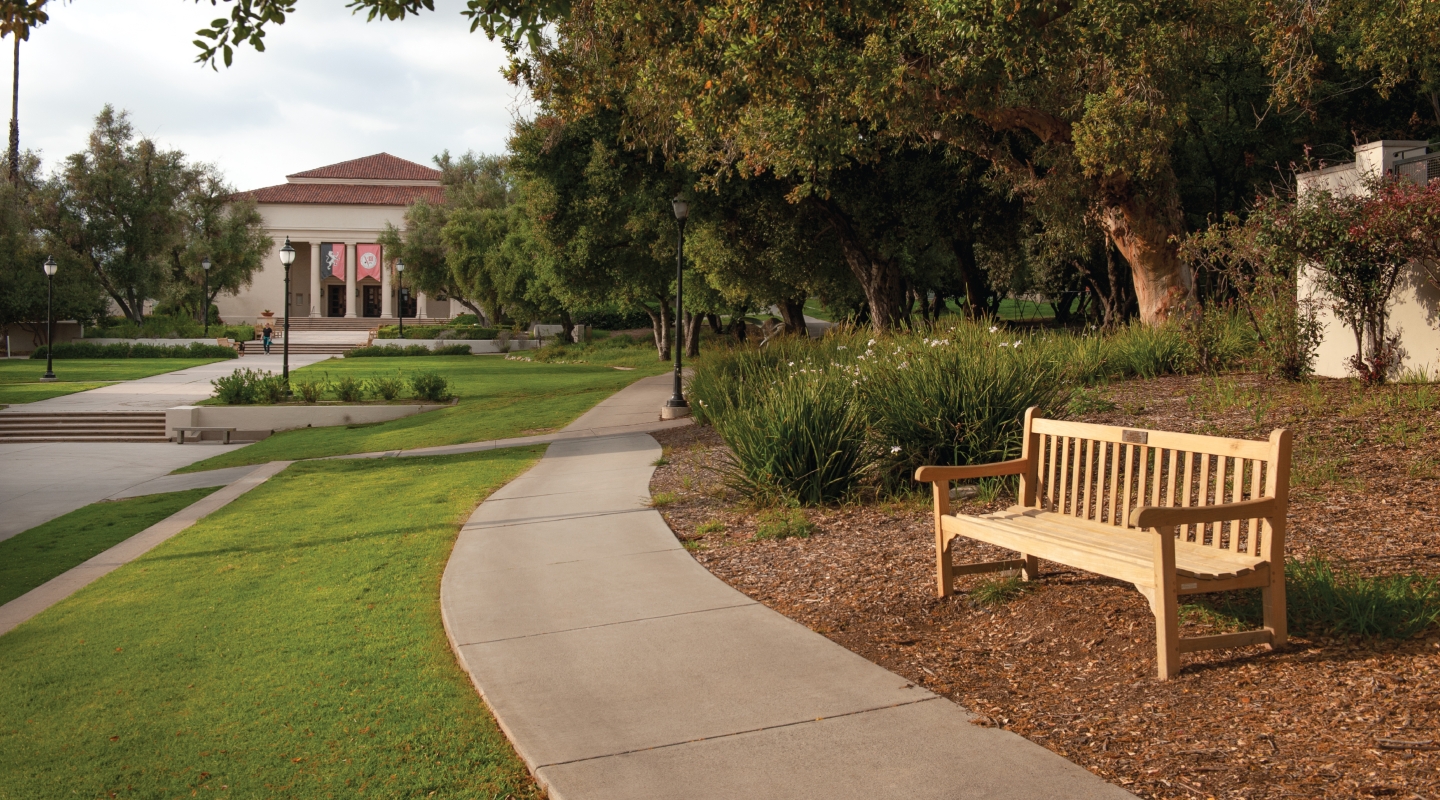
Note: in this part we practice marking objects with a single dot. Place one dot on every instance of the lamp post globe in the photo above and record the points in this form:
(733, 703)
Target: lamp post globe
(205, 292)
(49, 266)
(287, 257)
(676, 406)
(400, 294)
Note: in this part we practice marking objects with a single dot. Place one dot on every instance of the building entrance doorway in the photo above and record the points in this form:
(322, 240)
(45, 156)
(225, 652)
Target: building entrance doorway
(336, 297)
(370, 304)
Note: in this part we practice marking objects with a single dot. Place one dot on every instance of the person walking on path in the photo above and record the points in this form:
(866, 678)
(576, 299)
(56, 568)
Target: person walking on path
(269, 332)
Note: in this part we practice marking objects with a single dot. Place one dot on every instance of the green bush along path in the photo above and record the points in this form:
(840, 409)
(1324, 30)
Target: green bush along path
(289, 645)
(20, 379)
(499, 398)
(35, 556)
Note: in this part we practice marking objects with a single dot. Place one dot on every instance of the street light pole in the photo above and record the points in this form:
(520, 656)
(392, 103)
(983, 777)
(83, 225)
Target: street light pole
(205, 292)
(50, 267)
(400, 294)
(676, 406)
(287, 257)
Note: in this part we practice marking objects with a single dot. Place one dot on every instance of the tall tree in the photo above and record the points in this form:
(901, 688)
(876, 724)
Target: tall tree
(138, 217)
(17, 19)
(231, 233)
(23, 297)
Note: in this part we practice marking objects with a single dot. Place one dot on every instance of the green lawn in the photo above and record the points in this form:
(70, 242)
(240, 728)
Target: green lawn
(31, 558)
(499, 398)
(289, 645)
(20, 378)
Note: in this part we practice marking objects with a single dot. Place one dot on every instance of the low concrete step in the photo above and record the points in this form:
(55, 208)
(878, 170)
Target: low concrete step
(119, 426)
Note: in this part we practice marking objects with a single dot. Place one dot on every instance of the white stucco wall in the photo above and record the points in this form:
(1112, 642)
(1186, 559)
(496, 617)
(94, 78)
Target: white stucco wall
(1415, 308)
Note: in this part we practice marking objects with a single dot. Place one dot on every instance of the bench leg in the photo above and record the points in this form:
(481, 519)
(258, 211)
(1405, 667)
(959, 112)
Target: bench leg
(944, 573)
(227, 437)
(1272, 597)
(1031, 570)
(179, 437)
(1166, 604)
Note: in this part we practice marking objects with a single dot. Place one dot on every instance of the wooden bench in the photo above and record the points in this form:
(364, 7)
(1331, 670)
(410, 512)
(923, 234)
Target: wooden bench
(1173, 513)
(200, 433)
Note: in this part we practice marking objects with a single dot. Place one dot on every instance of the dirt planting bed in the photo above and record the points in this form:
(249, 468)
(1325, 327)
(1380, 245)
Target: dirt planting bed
(1070, 663)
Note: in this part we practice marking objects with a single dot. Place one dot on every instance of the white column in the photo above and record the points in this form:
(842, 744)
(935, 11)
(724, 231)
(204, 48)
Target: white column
(314, 279)
(386, 306)
(420, 310)
(350, 308)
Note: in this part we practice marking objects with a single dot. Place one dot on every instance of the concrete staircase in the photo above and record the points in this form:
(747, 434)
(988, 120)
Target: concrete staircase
(100, 426)
(302, 348)
(298, 324)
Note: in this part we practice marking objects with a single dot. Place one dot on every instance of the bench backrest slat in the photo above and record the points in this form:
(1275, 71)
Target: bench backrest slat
(1104, 474)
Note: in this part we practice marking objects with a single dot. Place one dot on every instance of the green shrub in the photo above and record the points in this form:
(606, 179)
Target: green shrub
(83, 349)
(382, 351)
(349, 389)
(449, 331)
(271, 389)
(783, 523)
(386, 388)
(162, 326)
(958, 399)
(1149, 352)
(312, 390)
(430, 386)
(801, 438)
(239, 387)
(465, 319)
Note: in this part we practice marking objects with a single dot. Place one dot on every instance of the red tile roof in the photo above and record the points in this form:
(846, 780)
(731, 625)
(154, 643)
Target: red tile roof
(381, 166)
(344, 194)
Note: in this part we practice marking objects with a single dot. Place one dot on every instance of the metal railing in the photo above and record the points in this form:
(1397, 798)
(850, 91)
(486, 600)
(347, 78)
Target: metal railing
(1420, 164)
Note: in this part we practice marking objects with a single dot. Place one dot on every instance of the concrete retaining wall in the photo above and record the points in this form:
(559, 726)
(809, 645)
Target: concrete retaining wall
(161, 342)
(284, 418)
(477, 346)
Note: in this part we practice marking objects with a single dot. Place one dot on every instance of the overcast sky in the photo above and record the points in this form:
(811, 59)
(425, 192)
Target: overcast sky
(330, 86)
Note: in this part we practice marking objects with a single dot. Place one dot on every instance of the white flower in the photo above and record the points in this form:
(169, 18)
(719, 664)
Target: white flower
(870, 343)
(894, 449)
(1004, 344)
(792, 363)
(904, 364)
(994, 328)
(1017, 343)
(841, 347)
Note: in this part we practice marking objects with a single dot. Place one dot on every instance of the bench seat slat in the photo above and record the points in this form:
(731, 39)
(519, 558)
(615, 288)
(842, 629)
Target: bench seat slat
(1120, 553)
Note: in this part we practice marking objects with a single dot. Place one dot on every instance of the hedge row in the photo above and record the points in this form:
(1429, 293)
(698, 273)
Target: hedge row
(84, 349)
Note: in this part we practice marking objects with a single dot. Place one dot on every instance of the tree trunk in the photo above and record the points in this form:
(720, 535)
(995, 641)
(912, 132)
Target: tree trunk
(1145, 231)
(714, 321)
(692, 334)
(792, 311)
(879, 278)
(567, 326)
(970, 276)
(738, 327)
(660, 324)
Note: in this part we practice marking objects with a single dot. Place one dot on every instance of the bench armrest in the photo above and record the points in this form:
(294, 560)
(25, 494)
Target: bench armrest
(936, 474)
(1165, 517)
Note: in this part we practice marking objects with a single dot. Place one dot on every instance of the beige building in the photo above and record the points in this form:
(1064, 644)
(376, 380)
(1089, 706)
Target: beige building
(1415, 307)
(334, 216)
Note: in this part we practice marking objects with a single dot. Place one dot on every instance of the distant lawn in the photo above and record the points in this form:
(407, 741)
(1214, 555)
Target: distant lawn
(20, 378)
(499, 398)
(289, 645)
(31, 558)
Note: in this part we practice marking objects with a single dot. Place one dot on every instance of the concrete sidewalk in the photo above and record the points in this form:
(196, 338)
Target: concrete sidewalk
(621, 668)
(634, 409)
(159, 392)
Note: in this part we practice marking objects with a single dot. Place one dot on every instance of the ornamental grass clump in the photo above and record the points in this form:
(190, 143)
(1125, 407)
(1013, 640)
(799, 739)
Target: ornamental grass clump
(955, 398)
(799, 438)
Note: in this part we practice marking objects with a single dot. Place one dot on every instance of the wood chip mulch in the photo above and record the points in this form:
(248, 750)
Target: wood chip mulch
(1070, 664)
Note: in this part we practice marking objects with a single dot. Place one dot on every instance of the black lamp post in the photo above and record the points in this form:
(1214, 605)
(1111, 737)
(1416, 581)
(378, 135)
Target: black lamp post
(287, 257)
(205, 292)
(400, 294)
(676, 405)
(50, 267)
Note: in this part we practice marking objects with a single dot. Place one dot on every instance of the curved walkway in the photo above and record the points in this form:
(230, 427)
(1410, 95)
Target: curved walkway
(621, 668)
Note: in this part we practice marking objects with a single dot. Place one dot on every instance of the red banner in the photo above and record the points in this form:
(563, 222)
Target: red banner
(369, 257)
